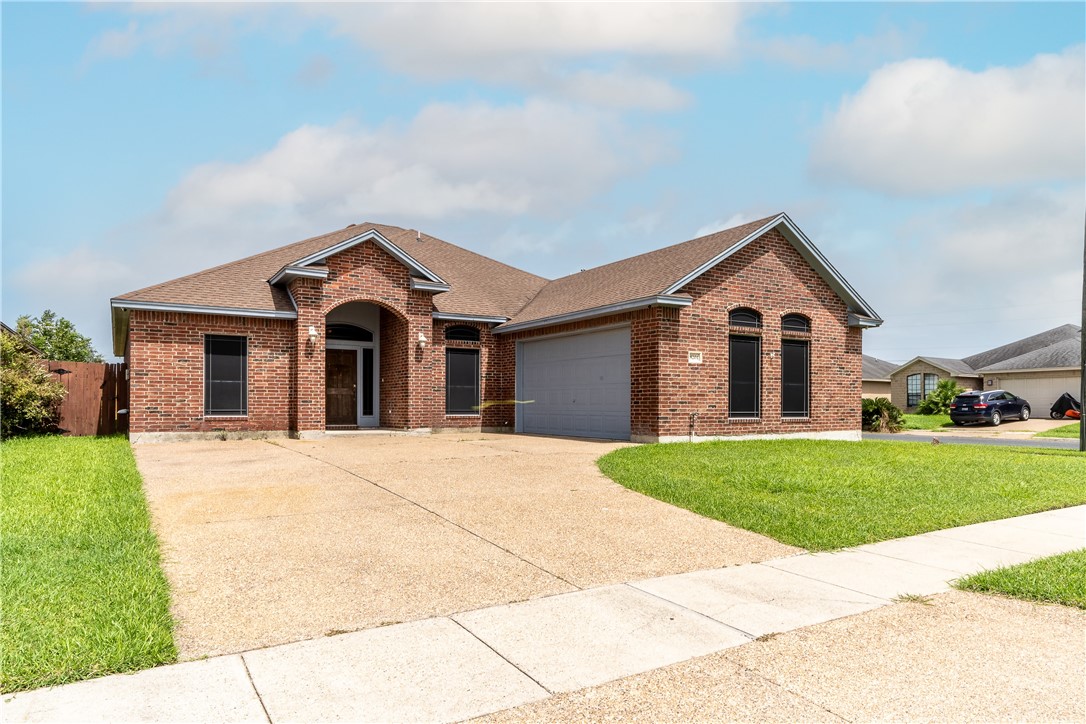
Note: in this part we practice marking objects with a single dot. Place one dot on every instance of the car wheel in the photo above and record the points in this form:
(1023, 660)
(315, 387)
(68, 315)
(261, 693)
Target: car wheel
(959, 423)
(1025, 413)
(1056, 415)
(996, 418)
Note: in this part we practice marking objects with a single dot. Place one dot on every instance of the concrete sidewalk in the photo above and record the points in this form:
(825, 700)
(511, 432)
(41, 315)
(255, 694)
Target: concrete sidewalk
(483, 661)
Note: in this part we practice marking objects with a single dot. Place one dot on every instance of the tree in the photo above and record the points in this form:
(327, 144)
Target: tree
(29, 396)
(940, 399)
(880, 415)
(57, 338)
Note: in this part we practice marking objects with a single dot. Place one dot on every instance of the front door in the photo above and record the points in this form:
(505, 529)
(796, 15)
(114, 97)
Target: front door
(341, 387)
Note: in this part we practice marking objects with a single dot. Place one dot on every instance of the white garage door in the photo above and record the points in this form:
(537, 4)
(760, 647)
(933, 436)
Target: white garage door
(577, 385)
(1041, 392)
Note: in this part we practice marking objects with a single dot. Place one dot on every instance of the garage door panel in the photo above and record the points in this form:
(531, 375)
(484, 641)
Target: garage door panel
(580, 385)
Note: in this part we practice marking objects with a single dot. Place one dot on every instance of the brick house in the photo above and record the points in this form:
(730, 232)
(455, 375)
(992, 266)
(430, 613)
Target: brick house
(746, 332)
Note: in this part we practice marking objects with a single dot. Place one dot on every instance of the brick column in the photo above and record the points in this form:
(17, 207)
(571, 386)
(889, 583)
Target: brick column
(309, 358)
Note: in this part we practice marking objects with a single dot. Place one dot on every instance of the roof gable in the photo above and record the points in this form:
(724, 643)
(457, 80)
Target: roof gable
(953, 367)
(659, 277)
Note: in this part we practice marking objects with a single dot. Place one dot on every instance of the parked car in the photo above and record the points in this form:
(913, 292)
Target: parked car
(992, 407)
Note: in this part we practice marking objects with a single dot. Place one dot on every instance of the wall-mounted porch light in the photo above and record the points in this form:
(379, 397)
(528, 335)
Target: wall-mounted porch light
(422, 340)
(312, 334)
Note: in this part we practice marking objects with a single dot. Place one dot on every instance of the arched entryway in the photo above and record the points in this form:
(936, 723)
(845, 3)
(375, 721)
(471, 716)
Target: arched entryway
(352, 366)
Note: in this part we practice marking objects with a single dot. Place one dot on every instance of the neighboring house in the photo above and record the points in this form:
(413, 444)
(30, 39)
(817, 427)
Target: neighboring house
(876, 377)
(5, 329)
(746, 332)
(1039, 368)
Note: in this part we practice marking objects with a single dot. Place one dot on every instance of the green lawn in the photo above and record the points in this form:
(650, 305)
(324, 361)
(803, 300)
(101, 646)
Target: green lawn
(1071, 431)
(823, 495)
(81, 589)
(1059, 579)
(927, 422)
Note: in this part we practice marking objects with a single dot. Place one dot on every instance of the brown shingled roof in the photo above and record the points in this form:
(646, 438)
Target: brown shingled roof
(639, 276)
(479, 285)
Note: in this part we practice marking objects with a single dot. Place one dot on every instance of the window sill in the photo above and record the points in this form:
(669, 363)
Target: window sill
(744, 419)
(462, 414)
(226, 417)
(806, 418)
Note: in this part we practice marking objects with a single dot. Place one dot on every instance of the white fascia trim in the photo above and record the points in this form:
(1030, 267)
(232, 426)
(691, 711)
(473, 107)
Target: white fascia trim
(663, 300)
(449, 317)
(197, 309)
(292, 272)
(376, 237)
(821, 264)
(858, 320)
(425, 286)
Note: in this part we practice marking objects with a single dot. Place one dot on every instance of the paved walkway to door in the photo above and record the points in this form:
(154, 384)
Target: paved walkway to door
(748, 642)
(266, 542)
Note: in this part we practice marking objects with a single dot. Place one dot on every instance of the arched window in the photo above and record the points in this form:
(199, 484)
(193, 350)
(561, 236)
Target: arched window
(744, 318)
(348, 332)
(462, 333)
(795, 323)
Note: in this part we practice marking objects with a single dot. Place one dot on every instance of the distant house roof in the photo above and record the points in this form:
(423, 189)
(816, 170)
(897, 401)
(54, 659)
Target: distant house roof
(1055, 348)
(26, 342)
(1066, 353)
(953, 367)
(877, 369)
(1023, 346)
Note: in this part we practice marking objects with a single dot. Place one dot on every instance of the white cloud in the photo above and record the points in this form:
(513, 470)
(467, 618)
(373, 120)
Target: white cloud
(604, 54)
(539, 157)
(924, 127)
(955, 282)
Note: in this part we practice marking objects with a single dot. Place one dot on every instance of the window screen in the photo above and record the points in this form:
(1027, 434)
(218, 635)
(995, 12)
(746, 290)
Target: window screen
(225, 363)
(744, 372)
(795, 379)
(744, 318)
(461, 381)
(795, 323)
(912, 390)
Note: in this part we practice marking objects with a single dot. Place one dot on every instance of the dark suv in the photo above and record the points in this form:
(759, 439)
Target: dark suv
(992, 407)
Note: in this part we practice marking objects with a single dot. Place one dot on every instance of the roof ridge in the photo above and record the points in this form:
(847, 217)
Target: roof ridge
(469, 251)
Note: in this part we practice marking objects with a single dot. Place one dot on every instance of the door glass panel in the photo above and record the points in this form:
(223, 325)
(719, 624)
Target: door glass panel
(367, 382)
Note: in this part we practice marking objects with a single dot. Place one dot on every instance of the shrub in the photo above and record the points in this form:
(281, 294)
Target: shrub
(880, 415)
(940, 399)
(29, 396)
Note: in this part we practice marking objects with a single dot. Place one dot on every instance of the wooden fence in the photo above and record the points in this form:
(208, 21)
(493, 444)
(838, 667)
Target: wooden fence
(97, 399)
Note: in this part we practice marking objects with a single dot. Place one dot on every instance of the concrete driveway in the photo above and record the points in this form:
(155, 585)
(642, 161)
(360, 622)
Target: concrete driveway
(266, 542)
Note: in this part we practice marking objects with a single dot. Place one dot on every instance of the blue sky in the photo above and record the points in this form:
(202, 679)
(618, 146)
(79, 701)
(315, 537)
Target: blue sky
(934, 152)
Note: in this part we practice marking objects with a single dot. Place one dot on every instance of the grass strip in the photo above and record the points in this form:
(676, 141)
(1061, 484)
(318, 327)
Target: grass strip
(1071, 431)
(927, 422)
(1057, 579)
(823, 495)
(81, 589)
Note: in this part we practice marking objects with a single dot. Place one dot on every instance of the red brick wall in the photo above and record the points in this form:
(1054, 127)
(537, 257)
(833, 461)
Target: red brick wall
(768, 275)
(772, 278)
(166, 372)
(166, 353)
